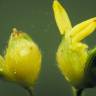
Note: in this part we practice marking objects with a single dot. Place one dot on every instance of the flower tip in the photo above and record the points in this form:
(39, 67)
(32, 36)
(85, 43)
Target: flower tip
(95, 21)
(14, 31)
(55, 3)
(61, 17)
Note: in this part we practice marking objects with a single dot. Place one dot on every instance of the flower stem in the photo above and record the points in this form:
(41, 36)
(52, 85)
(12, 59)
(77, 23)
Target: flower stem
(77, 92)
(29, 91)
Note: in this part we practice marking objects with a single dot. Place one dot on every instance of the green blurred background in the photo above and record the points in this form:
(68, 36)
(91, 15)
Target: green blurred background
(36, 18)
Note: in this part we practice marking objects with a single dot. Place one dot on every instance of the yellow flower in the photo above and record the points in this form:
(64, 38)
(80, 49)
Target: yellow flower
(22, 60)
(72, 54)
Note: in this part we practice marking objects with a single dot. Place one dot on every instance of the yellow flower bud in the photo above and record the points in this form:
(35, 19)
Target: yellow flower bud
(22, 59)
(72, 54)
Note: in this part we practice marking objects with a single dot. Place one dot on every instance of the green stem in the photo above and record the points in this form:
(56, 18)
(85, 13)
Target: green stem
(29, 91)
(77, 92)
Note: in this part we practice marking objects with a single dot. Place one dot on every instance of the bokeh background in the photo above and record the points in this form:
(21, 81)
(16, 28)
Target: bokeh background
(36, 18)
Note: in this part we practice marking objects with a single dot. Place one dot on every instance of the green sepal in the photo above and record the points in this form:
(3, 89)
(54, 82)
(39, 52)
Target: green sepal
(90, 70)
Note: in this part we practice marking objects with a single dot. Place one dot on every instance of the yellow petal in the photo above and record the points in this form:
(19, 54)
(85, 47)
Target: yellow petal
(22, 59)
(87, 30)
(1, 64)
(61, 17)
(81, 26)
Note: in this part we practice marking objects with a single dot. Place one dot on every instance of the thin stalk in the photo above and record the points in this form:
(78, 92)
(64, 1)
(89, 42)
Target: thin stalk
(77, 92)
(29, 90)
